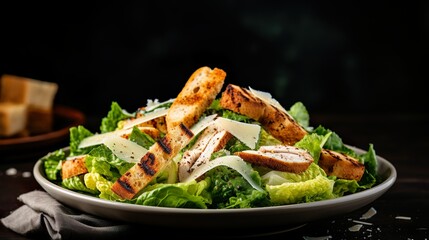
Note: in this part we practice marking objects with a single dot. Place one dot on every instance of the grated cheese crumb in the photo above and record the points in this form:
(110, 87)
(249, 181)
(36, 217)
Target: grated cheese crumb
(355, 228)
(403, 217)
(370, 213)
(11, 171)
(360, 222)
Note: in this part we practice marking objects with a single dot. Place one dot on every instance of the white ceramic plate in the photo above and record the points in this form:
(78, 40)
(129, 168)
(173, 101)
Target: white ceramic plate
(278, 217)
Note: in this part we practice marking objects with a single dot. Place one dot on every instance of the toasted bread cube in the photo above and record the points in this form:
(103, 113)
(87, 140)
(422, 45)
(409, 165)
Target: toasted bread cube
(13, 118)
(73, 167)
(34, 93)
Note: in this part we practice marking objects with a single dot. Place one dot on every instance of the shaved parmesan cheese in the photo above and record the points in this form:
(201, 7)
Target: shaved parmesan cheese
(152, 104)
(360, 222)
(403, 217)
(202, 124)
(125, 149)
(93, 140)
(147, 117)
(355, 228)
(233, 162)
(266, 97)
(97, 139)
(371, 212)
(245, 132)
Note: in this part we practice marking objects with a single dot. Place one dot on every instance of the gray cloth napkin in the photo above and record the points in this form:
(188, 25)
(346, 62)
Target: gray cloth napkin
(42, 215)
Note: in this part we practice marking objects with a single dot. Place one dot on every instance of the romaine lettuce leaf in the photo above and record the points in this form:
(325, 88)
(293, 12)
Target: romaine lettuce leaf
(77, 134)
(278, 177)
(141, 138)
(52, 164)
(370, 160)
(216, 108)
(179, 195)
(229, 189)
(299, 112)
(313, 143)
(334, 142)
(96, 182)
(266, 139)
(114, 116)
(102, 160)
(77, 184)
(319, 188)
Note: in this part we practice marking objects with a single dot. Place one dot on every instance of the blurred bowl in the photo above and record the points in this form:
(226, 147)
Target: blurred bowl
(34, 146)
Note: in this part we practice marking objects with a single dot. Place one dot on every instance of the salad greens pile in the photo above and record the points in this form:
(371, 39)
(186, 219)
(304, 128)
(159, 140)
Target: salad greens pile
(222, 186)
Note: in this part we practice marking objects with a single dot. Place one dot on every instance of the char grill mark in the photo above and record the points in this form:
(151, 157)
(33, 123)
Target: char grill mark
(165, 145)
(125, 185)
(186, 130)
(147, 162)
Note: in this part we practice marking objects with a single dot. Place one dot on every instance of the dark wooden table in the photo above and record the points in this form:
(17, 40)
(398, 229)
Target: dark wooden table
(401, 139)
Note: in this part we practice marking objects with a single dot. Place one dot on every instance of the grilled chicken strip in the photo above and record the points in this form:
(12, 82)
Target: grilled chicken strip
(192, 154)
(277, 122)
(185, 164)
(287, 130)
(341, 165)
(198, 93)
(217, 142)
(195, 157)
(281, 158)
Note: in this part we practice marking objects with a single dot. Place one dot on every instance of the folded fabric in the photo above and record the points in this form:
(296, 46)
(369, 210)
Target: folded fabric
(41, 215)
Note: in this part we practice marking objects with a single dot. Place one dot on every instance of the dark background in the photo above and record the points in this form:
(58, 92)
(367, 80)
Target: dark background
(361, 57)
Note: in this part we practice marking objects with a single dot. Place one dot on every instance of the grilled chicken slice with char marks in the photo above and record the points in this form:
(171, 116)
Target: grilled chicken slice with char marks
(281, 158)
(217, 142)
(286, 129)
(277, 122)
(200, 155)
(193, 153)
(198, 93)
(185, 164)
(341, 165)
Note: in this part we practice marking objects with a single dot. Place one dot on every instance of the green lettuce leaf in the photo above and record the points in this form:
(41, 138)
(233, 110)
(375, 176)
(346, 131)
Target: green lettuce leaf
(114, 116)
(319, 188)
(77, 134)
(76, 183)
(299, 112)
(98, 183)
(229, 189)
(274, 177)
(216, 108)
(52, 164)
(313, 143)
(179, 195)
(266, 139)
(103, 161)
(334, 142)
(141, 138)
